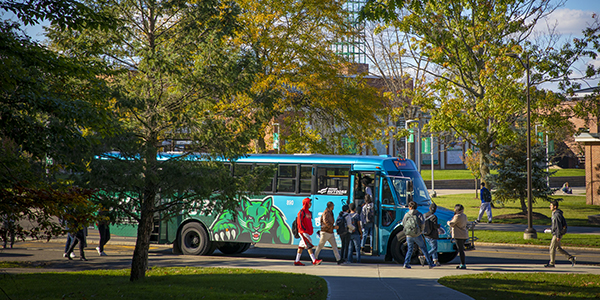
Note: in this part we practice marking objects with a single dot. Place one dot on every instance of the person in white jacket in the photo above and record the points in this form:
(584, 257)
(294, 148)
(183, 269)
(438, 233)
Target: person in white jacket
(460, 234)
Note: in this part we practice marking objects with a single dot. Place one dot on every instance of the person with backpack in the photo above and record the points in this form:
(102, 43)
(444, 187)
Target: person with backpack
(368, 221)
(342, 231)
(486, 203)
(559, 229)
(353, 220)
(413, 223)
(460, 234)
(431, 232)
(305, 230)
(327, 227)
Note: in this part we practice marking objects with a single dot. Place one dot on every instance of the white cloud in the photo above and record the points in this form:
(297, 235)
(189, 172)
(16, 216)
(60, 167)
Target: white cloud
(570, 21)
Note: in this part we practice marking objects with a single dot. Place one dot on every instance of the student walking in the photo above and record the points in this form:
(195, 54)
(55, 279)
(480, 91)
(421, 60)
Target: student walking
(486, 203)
(355, 233)
(103, 230)
(327, 227)
(559, 229)
(342, 231)
(431, 233)
(305, 229)
(460, 234)
(368, 220)
(413, 223)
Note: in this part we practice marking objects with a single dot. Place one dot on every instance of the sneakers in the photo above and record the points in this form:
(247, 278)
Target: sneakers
(341, 261)
(83, 258)
(317, 262)
(103, 254)
(407, 266)
(64, 254)
(73, 255)
(489, 221)
(548, 265)
(297, 263)
(422, 260)
(437, 263)
(572, 259)
(461, 267)
(431, 266)
(99, 252)
(476, 221)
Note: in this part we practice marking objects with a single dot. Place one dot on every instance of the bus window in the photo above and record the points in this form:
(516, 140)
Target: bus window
(305, 179)
(241, 169)
(286, 179)
(333, 180)
(386, 194)
(269, 184)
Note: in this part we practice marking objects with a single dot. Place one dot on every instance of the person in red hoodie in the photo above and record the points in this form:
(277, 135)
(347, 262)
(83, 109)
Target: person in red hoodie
(305, 229)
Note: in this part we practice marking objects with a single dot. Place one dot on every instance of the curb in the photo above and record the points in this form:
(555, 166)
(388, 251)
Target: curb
(534, 246)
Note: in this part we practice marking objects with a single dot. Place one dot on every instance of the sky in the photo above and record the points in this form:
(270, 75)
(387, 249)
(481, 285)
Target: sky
(571, 19)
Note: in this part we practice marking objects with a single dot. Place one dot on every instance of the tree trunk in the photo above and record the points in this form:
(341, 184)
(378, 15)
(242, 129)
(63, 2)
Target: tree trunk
(523, 204)
(139, 263)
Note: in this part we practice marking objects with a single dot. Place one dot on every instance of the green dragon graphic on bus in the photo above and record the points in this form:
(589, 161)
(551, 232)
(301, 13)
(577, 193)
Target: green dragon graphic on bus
(256, 221)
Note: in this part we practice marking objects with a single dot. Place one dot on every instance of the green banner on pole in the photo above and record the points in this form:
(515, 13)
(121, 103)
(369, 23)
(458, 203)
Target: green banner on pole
(411, 136)
(426, 145)
(276, 140)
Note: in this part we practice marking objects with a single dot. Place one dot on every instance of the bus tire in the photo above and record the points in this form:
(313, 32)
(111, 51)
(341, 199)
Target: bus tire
(230, 248)
(399, 248)
(446, 257)
(194, 239)
(244, 248)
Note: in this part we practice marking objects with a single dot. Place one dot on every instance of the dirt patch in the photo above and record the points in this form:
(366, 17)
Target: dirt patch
(522, 215)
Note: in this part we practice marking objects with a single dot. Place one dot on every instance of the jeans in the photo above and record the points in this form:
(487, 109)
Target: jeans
(345, 244)
(432, 243)
(354, 244)
(487, 208)
(460, 244)
(411, 241)
(367, 232)
(69, 242)
(104, 231)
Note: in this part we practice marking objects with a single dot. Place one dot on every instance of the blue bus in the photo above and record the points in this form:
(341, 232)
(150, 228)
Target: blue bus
(267, 218)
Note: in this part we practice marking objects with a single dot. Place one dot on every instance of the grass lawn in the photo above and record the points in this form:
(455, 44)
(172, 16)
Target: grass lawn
(162, 283)
(516, 237)
(574, 209)
(523, 286)
(466, 174)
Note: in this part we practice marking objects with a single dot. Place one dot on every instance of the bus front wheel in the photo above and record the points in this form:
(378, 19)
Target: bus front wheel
(194, 239)
(446, 257)
(399, 248)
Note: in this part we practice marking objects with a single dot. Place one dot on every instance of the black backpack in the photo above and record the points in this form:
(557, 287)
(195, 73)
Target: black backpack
(295, 228)
(429, 227)
(563, 230)
(340, 222)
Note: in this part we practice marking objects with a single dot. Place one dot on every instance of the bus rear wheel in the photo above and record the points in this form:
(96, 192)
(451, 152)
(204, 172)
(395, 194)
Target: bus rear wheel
(194, 239)
(231, 248)
(399, 248)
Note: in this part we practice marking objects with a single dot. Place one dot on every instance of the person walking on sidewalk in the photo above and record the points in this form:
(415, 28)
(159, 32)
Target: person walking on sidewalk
(486, 203)
(431, 233)
(342, 231)
(460, 234)
(103, 230)
(413, 223)
(559, 229)
(355, 233)
(367, 218)
(305, 229)
(327, 227)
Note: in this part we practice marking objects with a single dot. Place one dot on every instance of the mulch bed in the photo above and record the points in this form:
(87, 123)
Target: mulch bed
(522, 215)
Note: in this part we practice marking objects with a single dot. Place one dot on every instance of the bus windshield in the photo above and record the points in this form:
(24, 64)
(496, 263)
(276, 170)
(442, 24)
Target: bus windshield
(408, 187)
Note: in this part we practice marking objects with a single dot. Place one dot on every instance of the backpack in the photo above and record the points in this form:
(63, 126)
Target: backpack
(411, 225)
(487, 196)
(563, 230)
(295, 228)
(369, 213)
(340, 222)
(429, 227)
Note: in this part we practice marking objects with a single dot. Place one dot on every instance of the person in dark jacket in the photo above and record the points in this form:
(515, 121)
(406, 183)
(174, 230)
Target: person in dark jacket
(431, 233)
(557, 225)
(305, 229)
(344, 234)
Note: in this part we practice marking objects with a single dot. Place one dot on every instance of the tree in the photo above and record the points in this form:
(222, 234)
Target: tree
(178, 76)
(320, 108)
(510, 182)
(474, 84)
(472, 160)
(46, 100)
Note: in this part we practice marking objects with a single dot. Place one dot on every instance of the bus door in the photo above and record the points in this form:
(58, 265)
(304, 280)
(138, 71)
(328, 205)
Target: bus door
(395, 192)
(332, 184)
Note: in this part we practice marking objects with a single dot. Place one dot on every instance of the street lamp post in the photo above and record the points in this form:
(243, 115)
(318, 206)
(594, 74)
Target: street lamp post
(530, 232)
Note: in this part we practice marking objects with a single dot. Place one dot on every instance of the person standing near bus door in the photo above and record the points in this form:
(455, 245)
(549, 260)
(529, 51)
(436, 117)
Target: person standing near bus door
(355, 234)
(327, 227)
(486, 203)
(368, 220)
(305, 229)
(413, 223)
(342, 231)
(460, 234)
